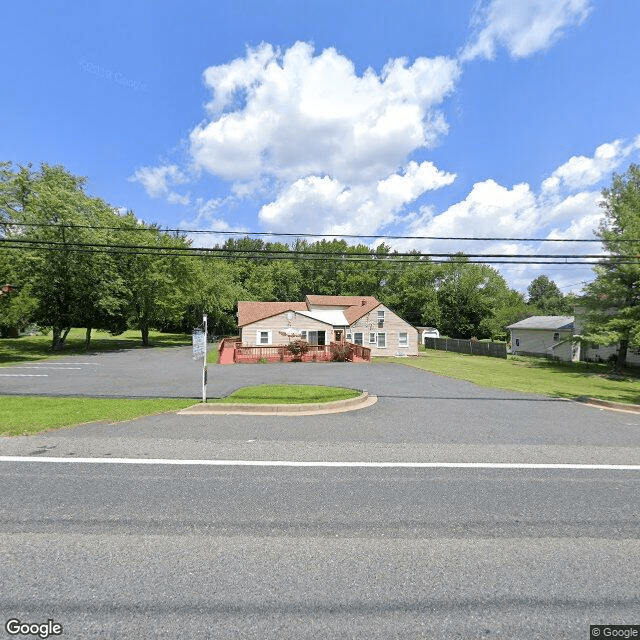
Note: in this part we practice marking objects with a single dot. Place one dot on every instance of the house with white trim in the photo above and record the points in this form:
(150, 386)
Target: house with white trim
(561, 337)
(550, 336)
(363, 320)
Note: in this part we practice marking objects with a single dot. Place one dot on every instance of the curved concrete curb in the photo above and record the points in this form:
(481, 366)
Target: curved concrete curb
(311, 409)
(607, 404)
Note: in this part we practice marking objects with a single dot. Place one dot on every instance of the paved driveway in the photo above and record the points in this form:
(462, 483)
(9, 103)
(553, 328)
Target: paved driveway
(173, 373)
(419, 415)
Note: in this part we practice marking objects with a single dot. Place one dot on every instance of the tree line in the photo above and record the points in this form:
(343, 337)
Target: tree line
(74, 261)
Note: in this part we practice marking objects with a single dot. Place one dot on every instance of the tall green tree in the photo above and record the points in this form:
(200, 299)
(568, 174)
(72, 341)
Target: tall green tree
(71, 282)
(157, 277)
(468, 296)
(546, 296)
(411, 291)
(613, 298)
(48, 197)
(17, 304)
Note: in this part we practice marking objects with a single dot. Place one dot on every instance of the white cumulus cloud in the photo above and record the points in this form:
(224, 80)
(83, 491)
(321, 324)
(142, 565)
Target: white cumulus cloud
(293, 114)
(522, 26)
(489, 209)
(157, 180)
(583, 171)
(326, 205)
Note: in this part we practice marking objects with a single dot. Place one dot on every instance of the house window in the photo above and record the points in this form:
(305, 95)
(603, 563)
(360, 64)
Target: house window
(380, 318)
(372, 338)
(348, 337)
(556, 336)
(403, 339)
(357, 338)
(264, 337)
(317, 337)
(382, 340)
(517, 342)
(303, 335)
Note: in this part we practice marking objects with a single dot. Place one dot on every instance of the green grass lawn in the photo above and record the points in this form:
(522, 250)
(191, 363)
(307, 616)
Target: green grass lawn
(27, 415)
(212, 352)
(31, 348)
(288, 394)
(534, 375)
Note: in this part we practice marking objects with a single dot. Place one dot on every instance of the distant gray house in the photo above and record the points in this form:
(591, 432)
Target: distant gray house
(550, 336)
(592, 352)
(561, 337)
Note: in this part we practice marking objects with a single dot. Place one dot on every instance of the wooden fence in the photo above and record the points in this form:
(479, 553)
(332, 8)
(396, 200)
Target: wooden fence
(357, 350)
(316, 353)
(491, 349)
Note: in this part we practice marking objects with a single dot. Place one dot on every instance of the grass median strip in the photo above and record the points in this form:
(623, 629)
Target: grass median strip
(27, 415)
(533, 375)
(287, 394)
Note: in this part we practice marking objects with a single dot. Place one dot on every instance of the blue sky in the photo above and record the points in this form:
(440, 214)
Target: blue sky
(460, 118)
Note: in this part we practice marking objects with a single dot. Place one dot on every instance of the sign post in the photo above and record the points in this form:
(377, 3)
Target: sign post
(204, 361)
(199, 340)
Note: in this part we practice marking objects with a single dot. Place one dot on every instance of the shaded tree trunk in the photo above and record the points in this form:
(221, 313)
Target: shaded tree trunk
(144, 330)
(87, 338)
(59, 337)
(621, 359)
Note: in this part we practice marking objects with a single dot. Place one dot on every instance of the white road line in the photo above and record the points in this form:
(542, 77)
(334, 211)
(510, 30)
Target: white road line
(25, 367)
(24, 375)
(37, 364)
(294, 463)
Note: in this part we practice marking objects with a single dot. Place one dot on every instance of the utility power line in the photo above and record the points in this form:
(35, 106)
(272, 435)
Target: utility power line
(302, 235)
(266, 255)
(293, 253)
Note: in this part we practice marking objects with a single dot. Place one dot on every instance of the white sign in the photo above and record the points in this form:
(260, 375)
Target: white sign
(198, 340)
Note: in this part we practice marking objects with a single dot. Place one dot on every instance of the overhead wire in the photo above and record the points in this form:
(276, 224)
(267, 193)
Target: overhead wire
(246, 233)
(292, 253)
(267, 255)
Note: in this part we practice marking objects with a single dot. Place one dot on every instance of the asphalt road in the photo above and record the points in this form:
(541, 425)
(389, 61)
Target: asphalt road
(190, 552)
(195, 551)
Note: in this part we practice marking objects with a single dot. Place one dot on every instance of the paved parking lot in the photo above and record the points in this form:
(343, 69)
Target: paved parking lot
(292, 551)
(418, 415)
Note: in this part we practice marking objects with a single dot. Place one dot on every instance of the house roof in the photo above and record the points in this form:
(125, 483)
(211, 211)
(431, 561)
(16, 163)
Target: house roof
(552, 323)
(356, 306)
(250, 312)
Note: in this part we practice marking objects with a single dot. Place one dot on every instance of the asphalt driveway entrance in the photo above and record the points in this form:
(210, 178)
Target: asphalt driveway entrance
(173, 373)
(416, 411)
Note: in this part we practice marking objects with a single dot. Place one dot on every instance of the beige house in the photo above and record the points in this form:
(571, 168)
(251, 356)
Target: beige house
(560, 337)
(550, 336)
(363, 320)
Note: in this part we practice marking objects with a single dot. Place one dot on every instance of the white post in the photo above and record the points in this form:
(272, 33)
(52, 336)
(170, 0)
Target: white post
(204, 361)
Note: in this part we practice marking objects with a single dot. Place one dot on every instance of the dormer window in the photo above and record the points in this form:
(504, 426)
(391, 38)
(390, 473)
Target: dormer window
(381, 318)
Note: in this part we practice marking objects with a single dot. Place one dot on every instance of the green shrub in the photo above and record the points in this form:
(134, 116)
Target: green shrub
(339, 351)
(298, 348)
